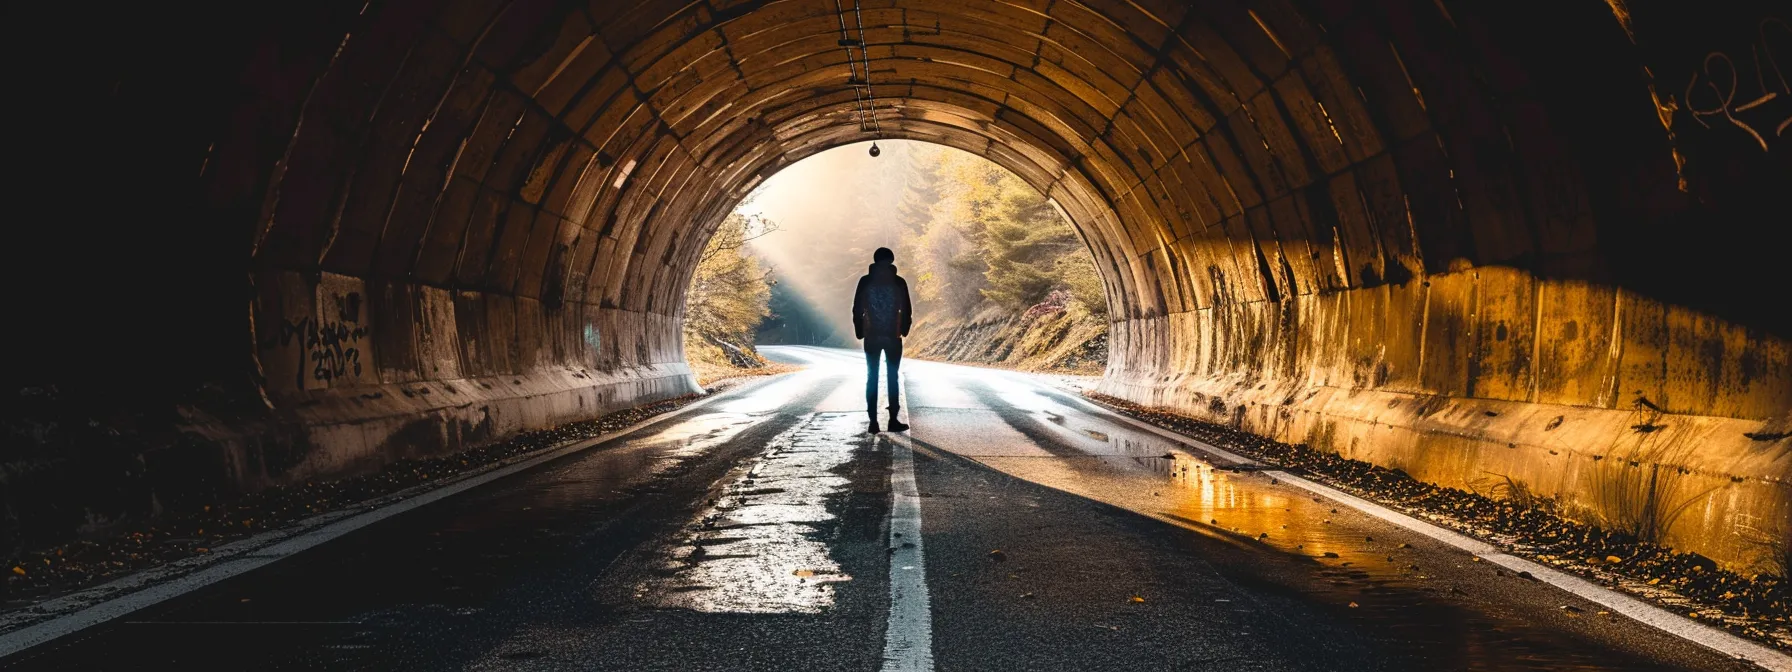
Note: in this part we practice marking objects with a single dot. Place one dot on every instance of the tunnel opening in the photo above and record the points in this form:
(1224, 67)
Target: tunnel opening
(335, 233)
(996, 274)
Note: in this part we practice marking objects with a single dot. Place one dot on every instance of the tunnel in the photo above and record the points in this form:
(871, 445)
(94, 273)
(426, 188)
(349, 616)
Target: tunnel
(1486, 244)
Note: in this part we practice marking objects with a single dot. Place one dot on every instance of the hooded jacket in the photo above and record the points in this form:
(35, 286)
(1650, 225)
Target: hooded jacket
(880, 306)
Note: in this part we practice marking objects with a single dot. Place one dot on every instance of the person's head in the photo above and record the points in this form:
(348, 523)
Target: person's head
(883, 255)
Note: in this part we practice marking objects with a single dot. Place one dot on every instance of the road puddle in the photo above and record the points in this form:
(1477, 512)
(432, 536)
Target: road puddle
(696, 436)
(1146, 473)
(753, 548)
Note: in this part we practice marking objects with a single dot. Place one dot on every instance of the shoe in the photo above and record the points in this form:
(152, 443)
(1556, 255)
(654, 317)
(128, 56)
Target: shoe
(898, 425)
(873, 428)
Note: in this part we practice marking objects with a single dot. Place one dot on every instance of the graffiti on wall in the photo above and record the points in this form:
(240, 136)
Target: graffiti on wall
(324, 343)
(1748, 92)
(327, 349)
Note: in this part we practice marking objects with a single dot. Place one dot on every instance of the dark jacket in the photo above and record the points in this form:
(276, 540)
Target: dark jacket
(880, 306)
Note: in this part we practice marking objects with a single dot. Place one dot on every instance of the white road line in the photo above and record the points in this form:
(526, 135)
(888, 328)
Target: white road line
(279, 545)
(1643, 612)
(908, 638)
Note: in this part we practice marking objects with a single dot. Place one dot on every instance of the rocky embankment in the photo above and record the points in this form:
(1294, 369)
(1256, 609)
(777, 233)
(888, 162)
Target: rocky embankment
(1057, 335)
(714, 358)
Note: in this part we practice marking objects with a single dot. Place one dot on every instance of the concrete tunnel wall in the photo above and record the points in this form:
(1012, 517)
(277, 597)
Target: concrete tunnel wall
(1474, 242)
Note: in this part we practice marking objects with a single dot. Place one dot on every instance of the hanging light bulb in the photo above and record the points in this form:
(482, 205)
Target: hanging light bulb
(875, 151)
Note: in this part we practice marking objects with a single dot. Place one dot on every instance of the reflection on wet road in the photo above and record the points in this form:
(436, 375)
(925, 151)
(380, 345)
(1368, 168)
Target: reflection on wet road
(754, 549)
(755, 532)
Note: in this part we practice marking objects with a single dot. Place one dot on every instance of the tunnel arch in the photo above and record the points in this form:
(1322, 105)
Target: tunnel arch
(1416, 233)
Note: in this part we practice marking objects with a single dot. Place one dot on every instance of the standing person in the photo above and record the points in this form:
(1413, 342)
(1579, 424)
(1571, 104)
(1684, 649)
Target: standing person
(880, 316)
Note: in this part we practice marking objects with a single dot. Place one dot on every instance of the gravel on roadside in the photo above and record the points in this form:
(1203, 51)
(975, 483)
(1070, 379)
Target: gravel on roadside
(1758, 607)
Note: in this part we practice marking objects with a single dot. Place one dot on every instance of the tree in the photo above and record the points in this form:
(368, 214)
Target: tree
(729, 292)
(735, 233)
(993, 236)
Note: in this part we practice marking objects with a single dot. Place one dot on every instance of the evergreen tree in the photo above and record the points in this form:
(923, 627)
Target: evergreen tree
(993, 236)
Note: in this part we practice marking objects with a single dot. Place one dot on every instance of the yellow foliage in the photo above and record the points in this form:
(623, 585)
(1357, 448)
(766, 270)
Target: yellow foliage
(729, 292)
(987, 234)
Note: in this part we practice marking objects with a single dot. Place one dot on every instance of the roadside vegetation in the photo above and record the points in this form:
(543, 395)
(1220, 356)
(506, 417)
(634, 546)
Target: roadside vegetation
(1003, 277)
(984, 236)
(727, 299)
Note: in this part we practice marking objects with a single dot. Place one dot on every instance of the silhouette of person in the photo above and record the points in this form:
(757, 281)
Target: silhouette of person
(880, 316)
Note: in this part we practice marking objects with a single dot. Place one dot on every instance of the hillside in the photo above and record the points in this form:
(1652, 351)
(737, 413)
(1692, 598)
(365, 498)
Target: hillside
(1055, 335)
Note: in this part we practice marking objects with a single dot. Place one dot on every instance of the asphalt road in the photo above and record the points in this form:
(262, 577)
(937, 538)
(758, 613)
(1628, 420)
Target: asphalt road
(756, 533)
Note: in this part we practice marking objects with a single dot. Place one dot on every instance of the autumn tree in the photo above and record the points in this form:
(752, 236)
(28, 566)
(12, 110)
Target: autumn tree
(728, 293)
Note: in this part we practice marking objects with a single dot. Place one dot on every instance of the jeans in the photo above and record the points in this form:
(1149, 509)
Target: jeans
(891, 349)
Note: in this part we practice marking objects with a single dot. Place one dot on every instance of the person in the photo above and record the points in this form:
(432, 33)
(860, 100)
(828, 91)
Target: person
(880, 317)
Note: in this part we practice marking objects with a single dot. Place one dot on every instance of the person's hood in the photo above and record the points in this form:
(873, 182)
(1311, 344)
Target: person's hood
(882, 271)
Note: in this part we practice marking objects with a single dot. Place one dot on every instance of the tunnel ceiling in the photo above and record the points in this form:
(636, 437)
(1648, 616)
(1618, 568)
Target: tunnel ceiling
(573, 151)
(1213, 155)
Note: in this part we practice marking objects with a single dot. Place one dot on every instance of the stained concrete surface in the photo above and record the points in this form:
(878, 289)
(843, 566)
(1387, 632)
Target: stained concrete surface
(1108, 561)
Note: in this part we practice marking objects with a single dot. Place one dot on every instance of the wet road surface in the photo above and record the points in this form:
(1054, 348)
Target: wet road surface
(756, 533)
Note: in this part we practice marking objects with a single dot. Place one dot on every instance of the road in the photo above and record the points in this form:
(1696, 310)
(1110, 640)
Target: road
(758, 532)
